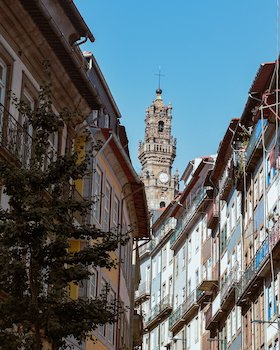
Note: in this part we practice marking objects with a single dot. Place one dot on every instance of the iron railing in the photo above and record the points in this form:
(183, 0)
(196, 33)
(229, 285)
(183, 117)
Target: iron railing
(200, 196)
(143, 289)
(175, 316)
(259, 258)
(229, 283)
(158, 308)
(15, 137)
(255, 137)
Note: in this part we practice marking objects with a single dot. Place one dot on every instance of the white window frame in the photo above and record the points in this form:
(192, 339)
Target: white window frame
(3, 82)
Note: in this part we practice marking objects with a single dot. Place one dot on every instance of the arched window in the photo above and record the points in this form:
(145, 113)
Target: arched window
(162, 204)
(160, 126)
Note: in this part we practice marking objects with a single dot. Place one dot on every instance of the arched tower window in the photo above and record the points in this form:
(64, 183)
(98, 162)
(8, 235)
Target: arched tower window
(160, 126)
(162, 204)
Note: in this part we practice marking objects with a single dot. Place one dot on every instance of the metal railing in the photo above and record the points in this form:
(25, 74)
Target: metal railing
(229, 283)
(15, 137)
(259, 258)
(175, 316)
(255, 137)
(143, 289)
(189, 213)
(158, 308)
(190, 300)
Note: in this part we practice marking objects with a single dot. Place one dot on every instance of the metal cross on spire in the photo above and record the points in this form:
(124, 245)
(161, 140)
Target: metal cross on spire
(159, 76)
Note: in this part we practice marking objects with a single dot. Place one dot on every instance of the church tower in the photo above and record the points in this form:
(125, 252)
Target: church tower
(157, 153)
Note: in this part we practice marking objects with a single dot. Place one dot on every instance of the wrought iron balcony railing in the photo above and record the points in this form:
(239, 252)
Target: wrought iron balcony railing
(143, 291)
(259, 259)
(189, 213)
(255, 137)
(14, 137)
(175, 317)
(159, 308)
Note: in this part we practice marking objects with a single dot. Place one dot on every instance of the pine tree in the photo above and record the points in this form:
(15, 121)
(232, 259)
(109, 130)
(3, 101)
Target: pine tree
(36, 264)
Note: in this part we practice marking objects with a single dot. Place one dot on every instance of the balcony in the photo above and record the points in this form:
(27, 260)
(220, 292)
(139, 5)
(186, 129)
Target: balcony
(143, 293)
(202, 297)
(190, 307)
(228, 290)
(254, 148)
(175, 320)
(252, 277)
(213, 215)
(144, 249)
(216, 313)
(189, 214)
(158, 312)
(15, 140)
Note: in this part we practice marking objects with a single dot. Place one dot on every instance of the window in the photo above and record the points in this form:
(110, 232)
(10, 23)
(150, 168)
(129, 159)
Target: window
(164, 258)
(190, 249)
(184, 257)
(197, 239)
(196, 332)
(270, 171)
(229, 329)
(183, 294)
(116, 213)
(189, 286)
(233, 322)
(238, 317)
(107, 206)
(256, 191)
(189, 336)
(3, 80)
(97, 194)
(92, 285)
(269, 303)
(223, 238)
(160, 126)
(232, 216)
(159, 264)
(163, 290)
(111, 326)
(154, 268)
(29, 96)
(176, 265)
(6, 63)
(196, 278)
(261, 182)
(238, 206)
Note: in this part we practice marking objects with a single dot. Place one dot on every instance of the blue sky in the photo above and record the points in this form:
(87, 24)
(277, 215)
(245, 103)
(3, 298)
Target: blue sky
(208, 50)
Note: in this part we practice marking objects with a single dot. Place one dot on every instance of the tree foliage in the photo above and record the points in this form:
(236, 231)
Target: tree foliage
(35, 261)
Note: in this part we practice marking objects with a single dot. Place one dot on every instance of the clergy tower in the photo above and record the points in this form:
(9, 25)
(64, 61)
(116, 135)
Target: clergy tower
(157, 153)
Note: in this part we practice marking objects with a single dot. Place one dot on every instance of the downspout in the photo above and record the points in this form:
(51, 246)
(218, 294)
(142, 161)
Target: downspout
(120, 262)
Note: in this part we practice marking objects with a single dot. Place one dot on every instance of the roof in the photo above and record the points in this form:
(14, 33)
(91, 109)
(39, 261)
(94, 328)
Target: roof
(137, 186)
(258, 87)
(191, 184)
(76, 19)
(224, 150)
(62, 48)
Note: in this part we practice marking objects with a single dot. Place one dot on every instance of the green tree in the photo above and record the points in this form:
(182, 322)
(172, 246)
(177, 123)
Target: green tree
(35, 261)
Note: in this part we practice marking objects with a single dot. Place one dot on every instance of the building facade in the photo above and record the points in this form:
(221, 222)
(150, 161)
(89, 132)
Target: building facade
(225, 243)
(39, 34)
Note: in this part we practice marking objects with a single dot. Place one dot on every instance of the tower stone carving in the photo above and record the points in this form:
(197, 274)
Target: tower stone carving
(157, 153)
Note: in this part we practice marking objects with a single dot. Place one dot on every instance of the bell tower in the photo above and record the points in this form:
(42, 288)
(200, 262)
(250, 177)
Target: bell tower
(157, 153)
